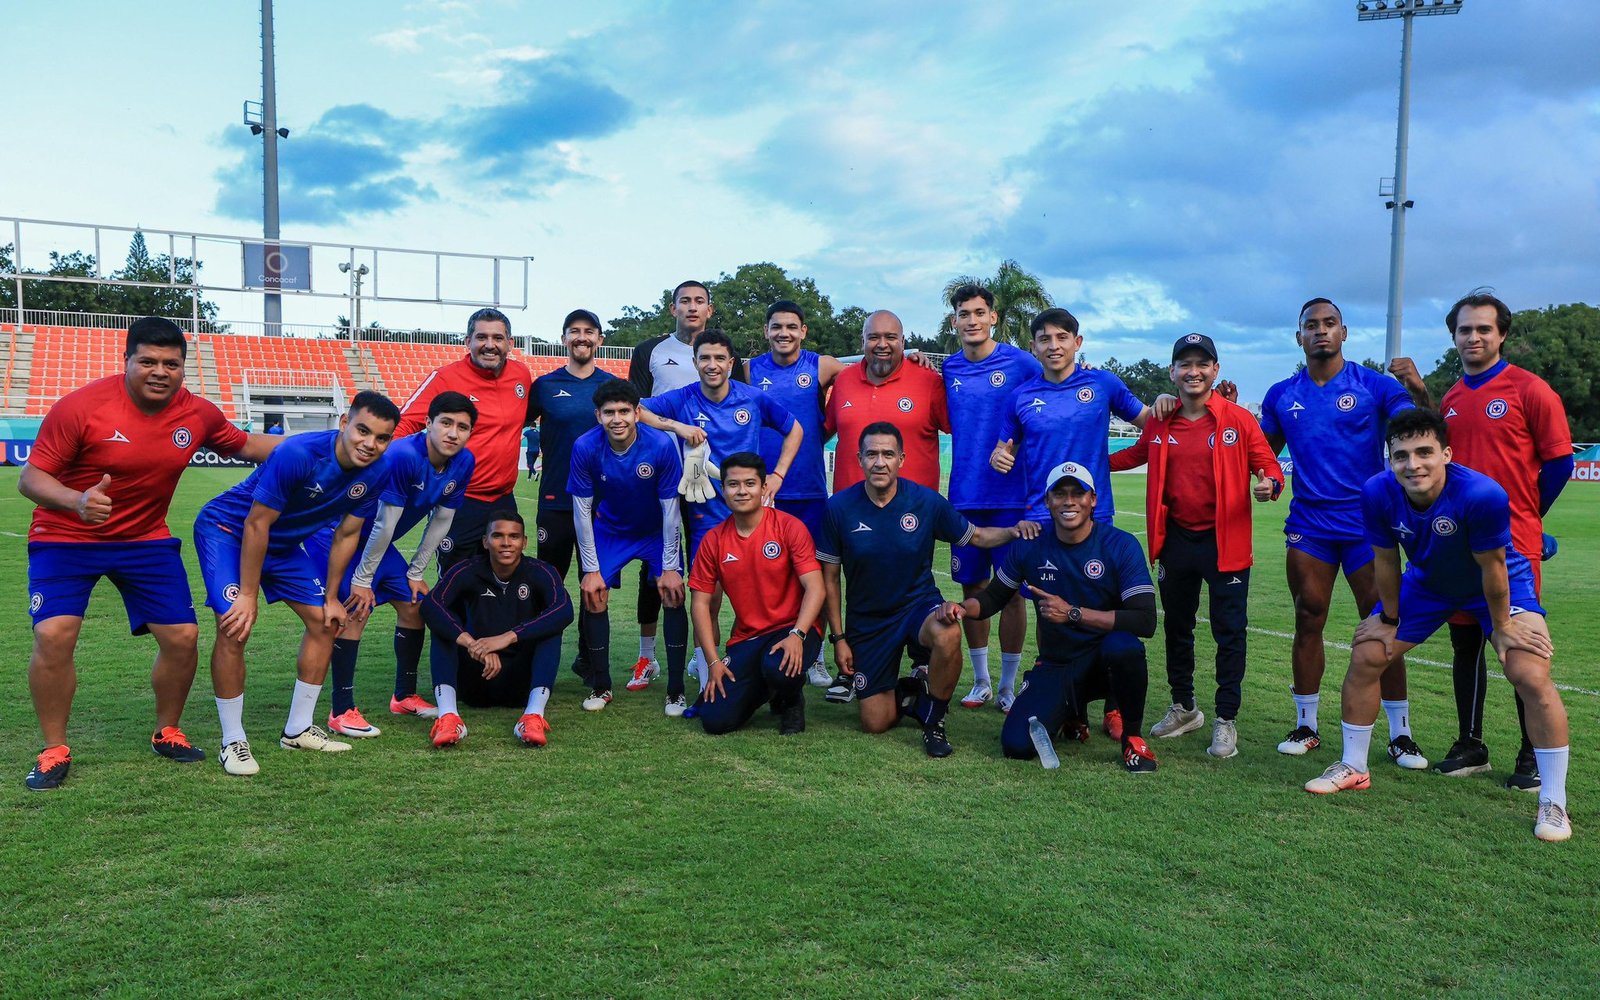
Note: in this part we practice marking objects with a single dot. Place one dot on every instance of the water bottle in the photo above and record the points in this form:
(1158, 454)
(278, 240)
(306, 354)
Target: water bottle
(1041, 742)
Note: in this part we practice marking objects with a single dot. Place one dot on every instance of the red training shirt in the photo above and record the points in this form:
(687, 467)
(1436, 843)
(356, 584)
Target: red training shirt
(1191, 488)
(912, 399)
(496, 442)
(760, 574)
(97, 430)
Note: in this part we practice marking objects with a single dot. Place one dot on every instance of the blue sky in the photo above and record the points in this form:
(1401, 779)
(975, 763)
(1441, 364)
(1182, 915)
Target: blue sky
(1166, 167)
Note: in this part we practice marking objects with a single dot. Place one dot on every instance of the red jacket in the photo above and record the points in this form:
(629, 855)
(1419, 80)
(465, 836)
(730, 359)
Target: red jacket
(496, 442)
(1240, 450)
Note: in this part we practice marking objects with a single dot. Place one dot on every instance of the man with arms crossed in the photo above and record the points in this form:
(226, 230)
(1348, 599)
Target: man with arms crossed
(1455, 527)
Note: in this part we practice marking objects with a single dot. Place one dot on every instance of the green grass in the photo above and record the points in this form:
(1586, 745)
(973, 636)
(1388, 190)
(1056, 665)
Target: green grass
(635, 856)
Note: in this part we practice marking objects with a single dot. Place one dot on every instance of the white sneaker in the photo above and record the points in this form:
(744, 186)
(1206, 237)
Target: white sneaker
(597, 700)
(236, 758)
(980, 695)
(1177, 721)
(312, 739)
(1224, 739)
(1004, 700)
(818, 675)
(676, 707)
(1552, 823)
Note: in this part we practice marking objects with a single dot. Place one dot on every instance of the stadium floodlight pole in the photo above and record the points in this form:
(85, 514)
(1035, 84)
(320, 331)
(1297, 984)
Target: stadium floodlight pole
(1406, 10)
(272, 311)
(356, 273)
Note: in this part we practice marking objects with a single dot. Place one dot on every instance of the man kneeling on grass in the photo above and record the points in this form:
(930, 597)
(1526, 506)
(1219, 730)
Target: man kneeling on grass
(764, 560)
(504, 612)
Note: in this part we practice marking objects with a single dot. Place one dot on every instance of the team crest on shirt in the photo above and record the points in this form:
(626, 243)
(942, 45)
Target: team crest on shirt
(645, 470)
(741, 416)
(1230, 436)
(181, 437)
(803, 380)
(1094, 569)
(35, 603)
(1496, 409)
(230, 593)
(357, 491)
(997, 379)
(1347, 402)
(522, 592)
(1443, 526)
(1211, 441)
(521, 392)
(904, 404)
(908, 522)
(544, 534)
(771, 550)
(446, 544)
(1086, 394)
(955, 564)
(449, 487)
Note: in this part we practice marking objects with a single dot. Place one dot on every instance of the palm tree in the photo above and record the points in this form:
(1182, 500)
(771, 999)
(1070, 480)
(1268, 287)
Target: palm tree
(1018, 297)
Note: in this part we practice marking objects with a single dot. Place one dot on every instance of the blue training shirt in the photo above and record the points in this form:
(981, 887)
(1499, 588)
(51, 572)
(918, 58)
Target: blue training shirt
(887, 552)
(976, 394)
(1100, 572)
(1067, 421)
(1471, 514)
(627, 487)
(563, 406)
(1335, 436)
(305, 483)
(797, 389)
(731, 426)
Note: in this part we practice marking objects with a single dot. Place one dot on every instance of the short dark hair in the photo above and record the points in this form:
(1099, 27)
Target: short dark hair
(786, 306)
(504, 514)
(968, 292)
(745, 460)
(615, 390)
(1318, 301)
(1415, 422)
(582, 314)
(691, 283)
(453, 402)
(880, 427)
(377, 404)
(1055, 316)
(156, 332)
(713, 336)
(1480, 297)
(487, 314)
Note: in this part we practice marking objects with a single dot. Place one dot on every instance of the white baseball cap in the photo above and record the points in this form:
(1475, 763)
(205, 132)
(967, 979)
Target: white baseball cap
(1073, 471)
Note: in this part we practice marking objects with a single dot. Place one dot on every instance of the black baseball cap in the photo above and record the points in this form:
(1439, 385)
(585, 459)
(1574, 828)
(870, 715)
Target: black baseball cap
(1193, 340)
(582, 314)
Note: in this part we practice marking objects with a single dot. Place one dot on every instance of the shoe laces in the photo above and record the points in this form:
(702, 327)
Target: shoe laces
(241, 750)
(1552, 814)
(53, 757)
(1406, 744)
(640, 668)
(172, 736)
(316, 731)
(1338, 771)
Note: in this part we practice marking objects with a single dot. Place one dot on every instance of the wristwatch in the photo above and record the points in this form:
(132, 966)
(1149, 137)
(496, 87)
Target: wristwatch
(1074, 615)
(795, 631)
(834, 638)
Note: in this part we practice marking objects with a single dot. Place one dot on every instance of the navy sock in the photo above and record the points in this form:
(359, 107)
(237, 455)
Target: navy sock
(675, 623)
(344, 674)
(407, 656)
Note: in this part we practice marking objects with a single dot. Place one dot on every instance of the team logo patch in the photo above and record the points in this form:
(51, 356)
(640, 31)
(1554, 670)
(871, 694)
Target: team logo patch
(1161, 572)
(544, 534)
(230, 593)
(1094, 569)
(1347, 402)
(449, 487)
(446, 544)
(803, 380)
(1296, 537)
(1230, 436)
(860, 681)
(357, 490)
(1211, 441)
(741, 416)
(1496, 409)
(1193, 338)
(997, 379)
(522, 592)
(36, 603)
(955, 563)
(904, 404)
(771, 550)
(1443, 526)
(521, 392)
(645, 470)
(181, 437)
(1086, 394)
(908, 522)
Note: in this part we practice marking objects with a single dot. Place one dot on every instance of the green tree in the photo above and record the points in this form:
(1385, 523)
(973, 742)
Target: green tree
(1144, 378)
(1019, 296)
(126, 300)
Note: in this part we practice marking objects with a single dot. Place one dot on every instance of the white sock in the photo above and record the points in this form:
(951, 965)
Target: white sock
(980, 664)
(1010, 663)
(302, 707)
(1357, 741)
(1552, 774)
(1305, 709)
(647, 647)
(230, 712)
(1399, 713)
(444, 695)
(538, 698)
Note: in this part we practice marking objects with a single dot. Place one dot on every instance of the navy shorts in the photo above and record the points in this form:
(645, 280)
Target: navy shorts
(878, 644)
(1349, 554)
(285, 576)
(388, 584)
(810, 512)
(970, 564)
(149, 575)
(1422, 611)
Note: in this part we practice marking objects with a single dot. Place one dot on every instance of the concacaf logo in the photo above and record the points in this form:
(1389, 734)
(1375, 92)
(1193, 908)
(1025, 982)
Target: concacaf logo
(181, 437)
(771, 550)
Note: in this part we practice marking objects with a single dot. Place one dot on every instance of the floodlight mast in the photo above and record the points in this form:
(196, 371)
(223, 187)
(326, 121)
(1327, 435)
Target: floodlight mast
(1406, 10)
(272, 302)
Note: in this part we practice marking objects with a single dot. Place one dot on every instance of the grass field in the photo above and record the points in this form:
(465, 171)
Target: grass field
(635, 856)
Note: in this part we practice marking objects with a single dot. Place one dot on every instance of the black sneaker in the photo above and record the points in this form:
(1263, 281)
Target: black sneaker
(935, 742)
(173, 745)
(1526, 777)
(1467, 756)
(1137, 757)
(1403, 750)
(793, 721)
(51, 769)
(842, 690)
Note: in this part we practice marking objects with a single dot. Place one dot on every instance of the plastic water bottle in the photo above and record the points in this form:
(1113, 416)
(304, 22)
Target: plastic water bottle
(1041, 742)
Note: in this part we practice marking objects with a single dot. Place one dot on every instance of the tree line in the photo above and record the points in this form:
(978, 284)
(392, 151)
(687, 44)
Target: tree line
(115, 300)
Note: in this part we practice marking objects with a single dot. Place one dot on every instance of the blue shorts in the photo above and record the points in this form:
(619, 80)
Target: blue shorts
(1422, 611)
(810, 512)
(149, 575)
(388, 584)
(878, 643)
(970, 564)
(1350, 554)
(617, 551)
(285, 576)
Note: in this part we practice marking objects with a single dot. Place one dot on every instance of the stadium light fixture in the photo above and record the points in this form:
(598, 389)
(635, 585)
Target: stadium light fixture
(1398, 203)
(356, 273)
